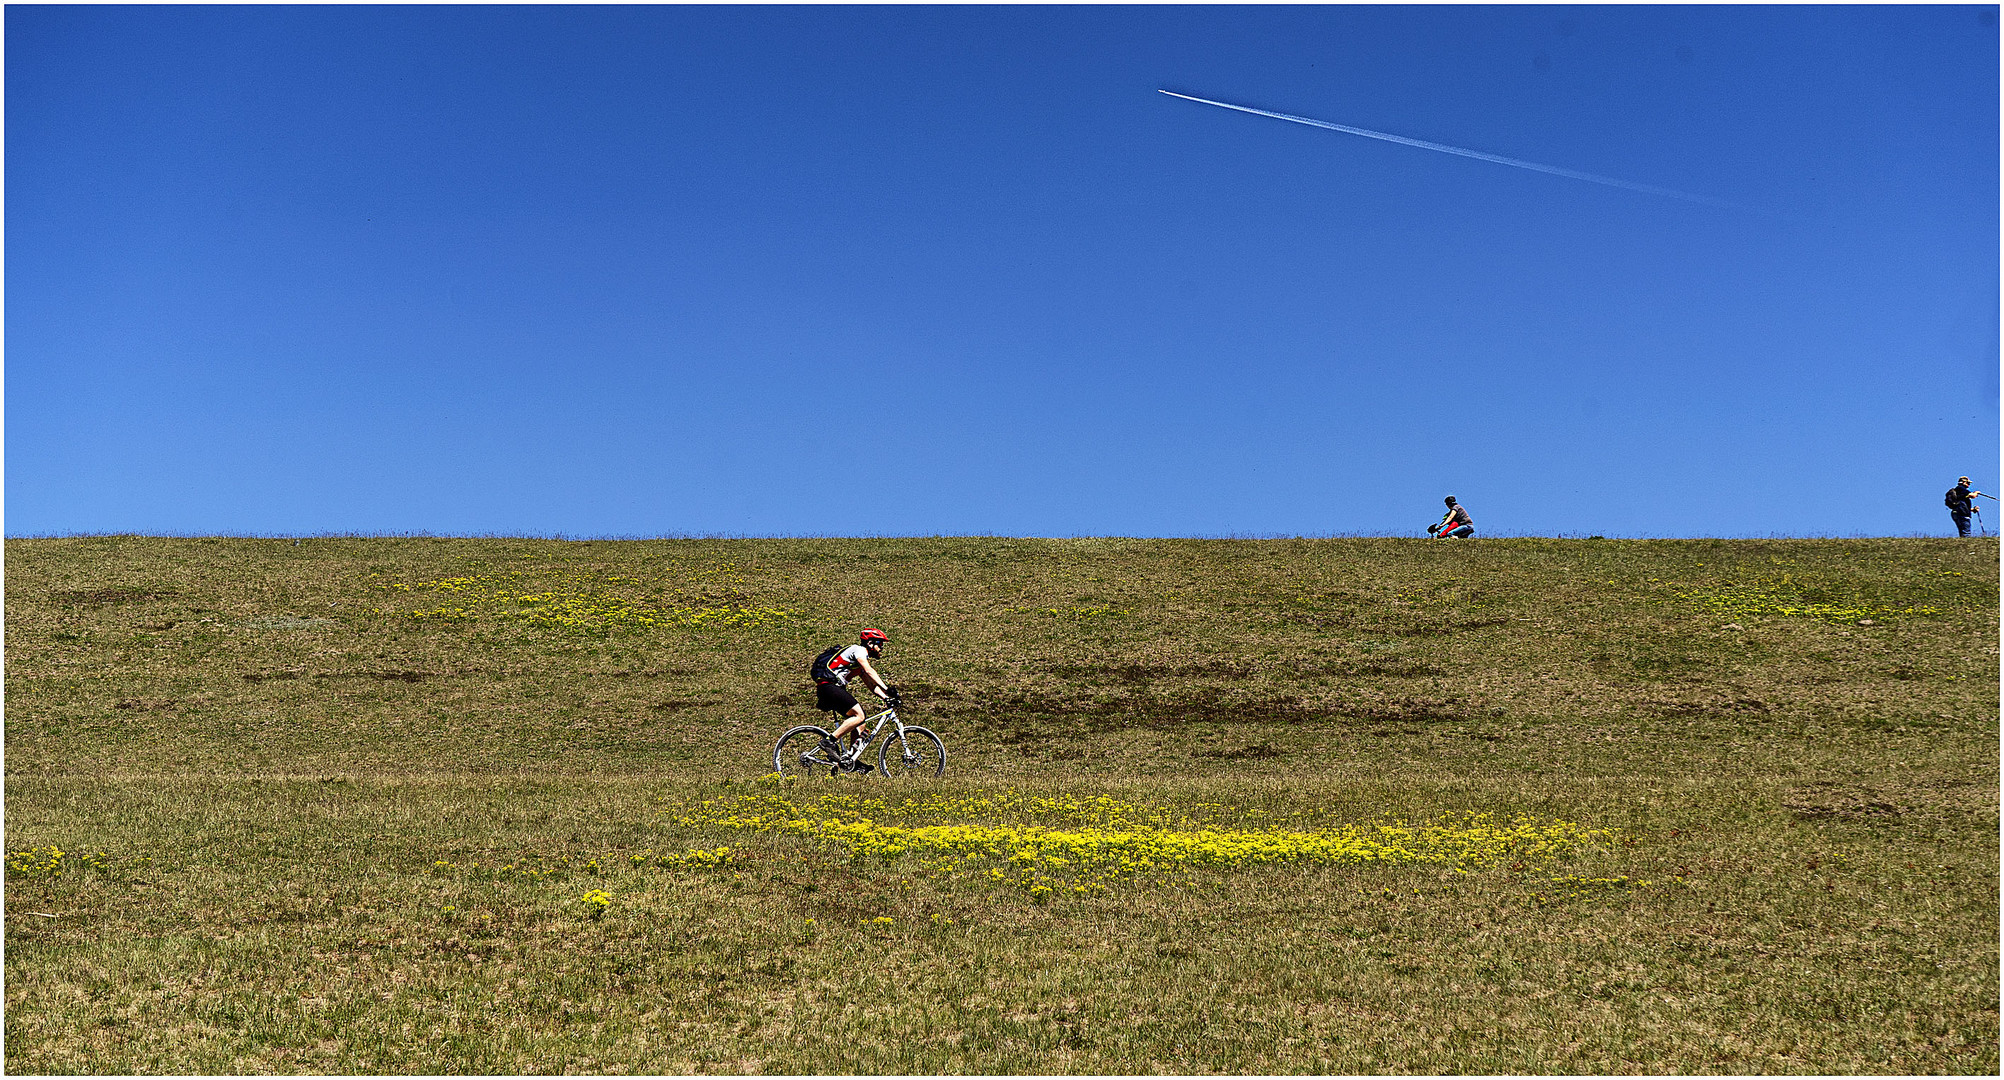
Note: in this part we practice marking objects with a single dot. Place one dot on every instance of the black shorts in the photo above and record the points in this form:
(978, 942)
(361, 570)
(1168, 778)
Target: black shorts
(833, 697)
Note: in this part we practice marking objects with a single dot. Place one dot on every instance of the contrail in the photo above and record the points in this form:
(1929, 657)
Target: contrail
(1476, 154)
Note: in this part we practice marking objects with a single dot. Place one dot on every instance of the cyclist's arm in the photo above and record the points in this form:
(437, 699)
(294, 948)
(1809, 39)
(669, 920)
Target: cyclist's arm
(875, 680)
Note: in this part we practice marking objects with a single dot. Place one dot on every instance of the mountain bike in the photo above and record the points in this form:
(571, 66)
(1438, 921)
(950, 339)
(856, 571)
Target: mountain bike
(904, 750)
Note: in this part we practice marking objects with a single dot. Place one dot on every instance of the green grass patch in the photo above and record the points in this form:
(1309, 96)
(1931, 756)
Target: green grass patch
(1345, 806)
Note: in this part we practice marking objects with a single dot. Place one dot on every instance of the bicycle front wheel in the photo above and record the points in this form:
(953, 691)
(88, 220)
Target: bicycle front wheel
(799, 752)
(914, 752)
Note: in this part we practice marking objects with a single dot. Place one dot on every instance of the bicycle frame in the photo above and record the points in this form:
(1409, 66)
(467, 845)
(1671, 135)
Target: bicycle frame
(888, 716)
(808, 747)
(866, 735)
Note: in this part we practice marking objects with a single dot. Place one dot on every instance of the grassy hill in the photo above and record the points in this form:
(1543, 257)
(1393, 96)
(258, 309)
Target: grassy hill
(495, 805)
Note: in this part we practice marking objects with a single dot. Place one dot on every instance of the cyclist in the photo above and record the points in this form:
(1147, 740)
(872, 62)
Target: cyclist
(832, 671)
(1456, 524)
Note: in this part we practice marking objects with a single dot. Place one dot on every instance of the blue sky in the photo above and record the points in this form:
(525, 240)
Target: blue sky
(613, 271)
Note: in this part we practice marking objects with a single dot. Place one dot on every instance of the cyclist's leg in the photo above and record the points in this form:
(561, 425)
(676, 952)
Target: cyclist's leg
(833, 697)
(836, 700)
(852, 720)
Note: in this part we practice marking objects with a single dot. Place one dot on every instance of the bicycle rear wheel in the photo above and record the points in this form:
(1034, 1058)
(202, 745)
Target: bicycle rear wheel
(799, 752)
(915, 752)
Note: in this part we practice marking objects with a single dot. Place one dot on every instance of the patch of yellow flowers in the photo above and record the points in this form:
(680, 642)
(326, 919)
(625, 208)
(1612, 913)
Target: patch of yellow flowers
(596, 902)
(694, 857)
(1783, 597)
(51, 861)
(524, 869)
(1099, 841)
(1575, 887)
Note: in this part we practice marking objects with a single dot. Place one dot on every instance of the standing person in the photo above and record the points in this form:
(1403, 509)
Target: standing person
(1960, 501)
(1455, 523)
(831, 673)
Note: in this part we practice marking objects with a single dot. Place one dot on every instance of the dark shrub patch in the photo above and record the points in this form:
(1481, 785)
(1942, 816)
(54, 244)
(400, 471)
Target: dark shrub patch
(1720, 707)
(381, 676)
(1396, 668)
(1242, 753)
(1142, 674)
(1854, 811)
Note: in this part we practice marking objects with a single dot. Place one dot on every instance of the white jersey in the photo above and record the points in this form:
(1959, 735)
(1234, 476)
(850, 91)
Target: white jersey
(844, 664)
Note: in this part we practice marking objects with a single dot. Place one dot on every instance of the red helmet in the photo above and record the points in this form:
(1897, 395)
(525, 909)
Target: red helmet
(874, 637)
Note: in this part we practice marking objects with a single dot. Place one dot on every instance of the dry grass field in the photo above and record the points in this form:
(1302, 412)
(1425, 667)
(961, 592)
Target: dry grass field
(1277, 806)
